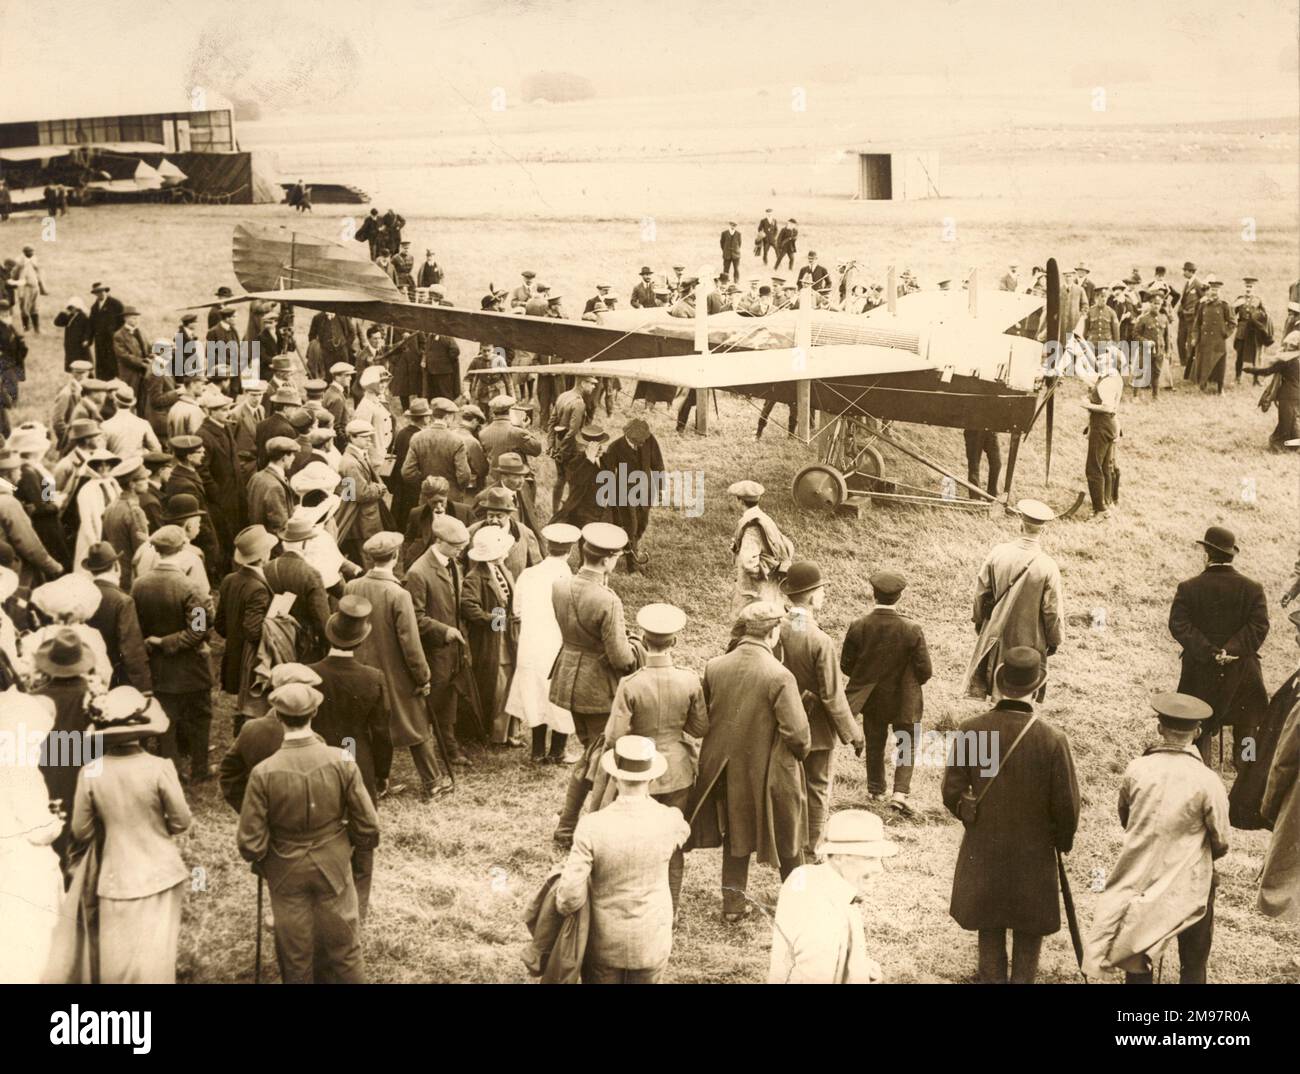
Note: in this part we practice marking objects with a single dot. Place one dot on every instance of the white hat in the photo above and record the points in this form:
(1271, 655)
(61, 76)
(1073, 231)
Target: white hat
(635, 759)
(858, 832)
(490, 543)
(373, 374)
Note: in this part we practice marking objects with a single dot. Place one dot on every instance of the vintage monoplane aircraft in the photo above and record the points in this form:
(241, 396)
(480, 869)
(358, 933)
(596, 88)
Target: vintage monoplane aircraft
(961, 359)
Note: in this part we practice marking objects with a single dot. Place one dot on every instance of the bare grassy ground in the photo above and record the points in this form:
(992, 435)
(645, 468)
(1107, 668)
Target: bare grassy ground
(452, 879)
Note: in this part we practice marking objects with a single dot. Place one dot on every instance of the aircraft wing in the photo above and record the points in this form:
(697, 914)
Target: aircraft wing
(742, 369)
(997, 311)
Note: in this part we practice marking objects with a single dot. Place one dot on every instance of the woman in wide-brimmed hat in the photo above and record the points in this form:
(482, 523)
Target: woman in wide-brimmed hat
(32, 884)
(63, 665)
(487, 605)
(66, 603)
(135, 799)
(93, 499)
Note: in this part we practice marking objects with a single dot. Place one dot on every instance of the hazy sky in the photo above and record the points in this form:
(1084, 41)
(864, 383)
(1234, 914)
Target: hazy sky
(287, 53)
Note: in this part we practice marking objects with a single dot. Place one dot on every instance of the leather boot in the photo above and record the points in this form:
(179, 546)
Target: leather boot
(558, 743)
(574, 796)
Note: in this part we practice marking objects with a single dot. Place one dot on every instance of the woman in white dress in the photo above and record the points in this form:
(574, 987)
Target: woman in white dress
(539, 643)
(93, 499)
(31, 883)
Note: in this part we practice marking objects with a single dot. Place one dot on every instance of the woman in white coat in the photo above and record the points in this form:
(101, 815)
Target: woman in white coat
(539, 643)
(31, 883)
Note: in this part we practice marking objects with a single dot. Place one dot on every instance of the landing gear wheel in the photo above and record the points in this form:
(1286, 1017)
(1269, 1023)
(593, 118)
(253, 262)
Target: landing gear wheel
(820, 487)
(868, 474)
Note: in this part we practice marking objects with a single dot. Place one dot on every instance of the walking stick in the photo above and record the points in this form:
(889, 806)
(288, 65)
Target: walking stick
(257, 956)
(439, 736)
(1071, 917)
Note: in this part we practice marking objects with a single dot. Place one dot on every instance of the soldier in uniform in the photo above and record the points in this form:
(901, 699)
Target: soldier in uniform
(663, 703)
(1213, 327)
(594, 655)
(1254, 328)
(1151, 332)
(1018, 600)
(762, 552)
(807, 651)
(749, 796)
(303, 844)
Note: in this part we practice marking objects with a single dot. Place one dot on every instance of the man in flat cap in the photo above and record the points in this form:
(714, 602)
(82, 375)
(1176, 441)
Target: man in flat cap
(665, 704)
(187, 478)
(762, 552)
(1284, 392)
(242, 602)
(1212, 327)
(1175, 817)
(1019, 802)
(175, 618)
(520, 295)
(574, 410)
(306, 853)
(338, 394)
(131, 353)
(808, 652)
(501, 434)
(1018, 601)
(594, 655)
(1220, 618)
(220, 472)
(887, 663)
(270, 497)
(817, 934)
(1105, 390)
(393, 646)
(749, 795)
(434, 581)
(361, 490)
(439, 451)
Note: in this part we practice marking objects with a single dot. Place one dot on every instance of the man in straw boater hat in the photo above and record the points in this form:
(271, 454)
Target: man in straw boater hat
(1018, 601)
(888, 663)
(809, 653)
(762, 552)
(393, 646)
(817, 934)
(1016, 794)
(303, 844)
(749, 795)
(665, 704)
(619, 865)
(1220, 618)
(594, 655)
(1175, 816)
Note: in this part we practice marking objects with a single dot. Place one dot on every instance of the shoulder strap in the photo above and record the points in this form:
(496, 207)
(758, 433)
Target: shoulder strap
(1012, 584)
(985, 789)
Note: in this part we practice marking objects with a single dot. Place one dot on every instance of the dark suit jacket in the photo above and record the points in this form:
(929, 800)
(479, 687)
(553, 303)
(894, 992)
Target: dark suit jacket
(354, 715)
(241, 608)
(257, 740)
(270, 426)
(290, 573)
(106, 319)
(1221, 609)
(435, 592)
(221, 479)
(166, 602)
(886, 660)
(185, 479)
(730, 242)
(119, 626)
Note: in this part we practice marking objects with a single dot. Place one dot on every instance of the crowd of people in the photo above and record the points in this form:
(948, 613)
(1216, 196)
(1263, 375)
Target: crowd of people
(352, 551)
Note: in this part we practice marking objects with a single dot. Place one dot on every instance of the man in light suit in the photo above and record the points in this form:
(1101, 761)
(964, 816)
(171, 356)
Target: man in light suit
(619, 864)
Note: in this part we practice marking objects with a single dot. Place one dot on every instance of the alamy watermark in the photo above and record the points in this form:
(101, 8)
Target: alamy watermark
(679, 489)
(184, 357)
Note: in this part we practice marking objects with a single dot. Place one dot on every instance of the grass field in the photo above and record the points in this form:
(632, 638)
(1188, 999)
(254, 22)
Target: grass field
(452, 878)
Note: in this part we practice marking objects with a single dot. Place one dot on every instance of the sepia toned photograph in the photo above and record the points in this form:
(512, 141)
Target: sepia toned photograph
(568, 493)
